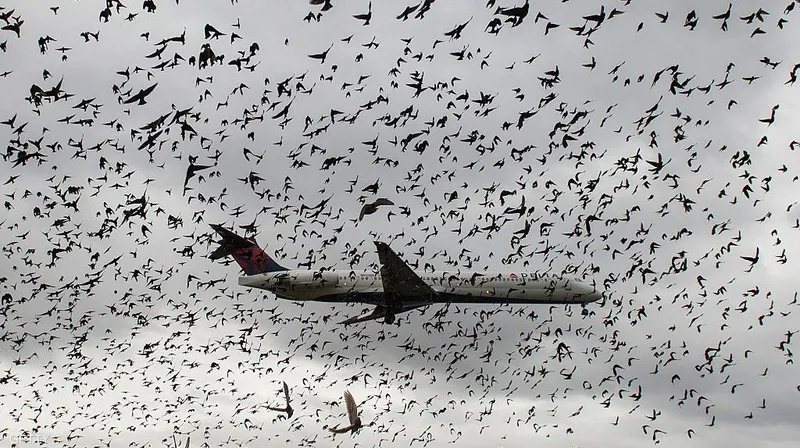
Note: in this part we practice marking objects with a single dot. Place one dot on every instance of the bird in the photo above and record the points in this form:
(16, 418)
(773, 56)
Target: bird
(139, 98)
(753, 260)
(288, 409)
(191, 171)
(372, 207)
(326, 4)
(515, 14)
(321, 56)
(771, 119)
(352, 416)
(365, 17)
(212, 33)
(407, 12)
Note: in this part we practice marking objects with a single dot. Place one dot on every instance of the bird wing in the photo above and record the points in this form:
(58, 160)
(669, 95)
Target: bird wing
(382, 201)
(133, 99)
(397, 276)
(148, 90)
(286, 392)
(352, 409)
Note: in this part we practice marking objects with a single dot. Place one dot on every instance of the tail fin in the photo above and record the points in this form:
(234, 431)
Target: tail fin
(245, 251)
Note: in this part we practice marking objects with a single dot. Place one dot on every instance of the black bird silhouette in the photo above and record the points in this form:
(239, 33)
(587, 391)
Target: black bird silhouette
(321, 56)
(365, 17)
(139, 97)
(372, 207)
(724, 17)
(191, 171)
(373, 188)
(15, 27)
(753, 260)
(288, 409)
(406, 12)
(455, 33)
(597, 18)
(326, 4)
(771, 119)
(516, 14)
(211, 32)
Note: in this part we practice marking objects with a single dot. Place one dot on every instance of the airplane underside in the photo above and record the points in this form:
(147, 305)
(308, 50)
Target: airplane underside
(378, 299)
(388, 308)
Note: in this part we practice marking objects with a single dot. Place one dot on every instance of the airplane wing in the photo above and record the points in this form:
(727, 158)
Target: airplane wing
(399, 280)
(398, 277)
(376, 313)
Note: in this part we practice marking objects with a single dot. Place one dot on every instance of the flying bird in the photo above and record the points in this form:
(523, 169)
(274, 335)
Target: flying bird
(288, 409)
(326, 4)
(321, 56)
(365, 17)
(139, 98)
(352, 415)
(372, 207)
(191, 171)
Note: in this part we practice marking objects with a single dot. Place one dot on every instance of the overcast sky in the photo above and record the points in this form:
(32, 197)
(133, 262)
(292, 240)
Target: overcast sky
(673, 130)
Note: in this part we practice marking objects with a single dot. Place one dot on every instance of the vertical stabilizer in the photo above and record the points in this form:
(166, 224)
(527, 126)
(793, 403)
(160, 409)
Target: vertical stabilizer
(245, 251)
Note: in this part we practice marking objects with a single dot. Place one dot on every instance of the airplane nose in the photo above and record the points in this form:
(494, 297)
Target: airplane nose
(592, 296)
(588, 292)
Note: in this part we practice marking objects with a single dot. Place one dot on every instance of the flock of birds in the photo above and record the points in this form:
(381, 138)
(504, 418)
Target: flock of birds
(482, 145)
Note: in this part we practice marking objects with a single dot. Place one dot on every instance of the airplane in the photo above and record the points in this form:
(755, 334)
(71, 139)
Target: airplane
(396, 288)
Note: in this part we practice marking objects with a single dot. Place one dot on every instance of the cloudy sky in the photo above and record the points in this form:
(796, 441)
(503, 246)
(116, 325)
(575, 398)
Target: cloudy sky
(653, 151)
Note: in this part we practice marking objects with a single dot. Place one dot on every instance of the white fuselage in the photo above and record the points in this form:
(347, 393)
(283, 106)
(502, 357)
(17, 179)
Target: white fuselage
(478, 287)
